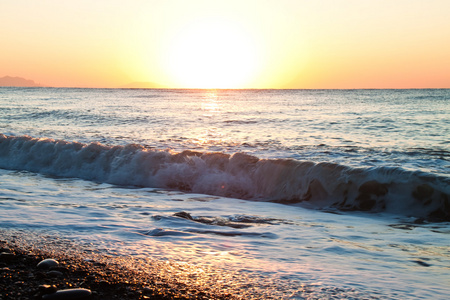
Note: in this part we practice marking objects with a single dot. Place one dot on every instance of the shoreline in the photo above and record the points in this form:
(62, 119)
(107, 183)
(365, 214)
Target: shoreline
(112, 275)
(109, 277)
(22, 279)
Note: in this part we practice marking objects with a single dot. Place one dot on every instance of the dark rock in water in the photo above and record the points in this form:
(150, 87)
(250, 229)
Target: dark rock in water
(184, 215)
(423, 192)
(230, 222)
(47, 263)
(419, 221)
(403, 226)
(373, 188)
(68, 294)
(422, 263)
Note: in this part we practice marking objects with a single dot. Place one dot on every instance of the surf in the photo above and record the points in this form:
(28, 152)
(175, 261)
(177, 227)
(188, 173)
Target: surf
(423, 196)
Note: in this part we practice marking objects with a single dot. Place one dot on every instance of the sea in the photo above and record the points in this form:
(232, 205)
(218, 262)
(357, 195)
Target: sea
(260, 194)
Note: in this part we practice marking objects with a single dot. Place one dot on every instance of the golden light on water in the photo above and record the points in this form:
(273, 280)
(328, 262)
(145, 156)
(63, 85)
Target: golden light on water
(210, 108)
(210, 104)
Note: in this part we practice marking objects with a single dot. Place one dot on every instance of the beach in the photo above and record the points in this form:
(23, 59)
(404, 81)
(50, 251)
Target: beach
(84, 275)
(104, 277)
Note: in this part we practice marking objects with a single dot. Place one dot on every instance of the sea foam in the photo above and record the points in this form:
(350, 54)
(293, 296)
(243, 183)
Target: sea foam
(379, 189)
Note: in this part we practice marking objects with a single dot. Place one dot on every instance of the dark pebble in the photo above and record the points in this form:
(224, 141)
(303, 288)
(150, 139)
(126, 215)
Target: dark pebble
(6, 256)
(47, 263)
(68, 294)
(47, 289)
(54, 274)
(103, 283)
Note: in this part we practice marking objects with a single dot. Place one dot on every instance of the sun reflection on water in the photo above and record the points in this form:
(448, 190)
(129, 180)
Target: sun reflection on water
(211, 110)
(210, 104)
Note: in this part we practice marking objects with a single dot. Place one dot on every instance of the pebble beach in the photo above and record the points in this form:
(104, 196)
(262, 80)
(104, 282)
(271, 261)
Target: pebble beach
(30, 273)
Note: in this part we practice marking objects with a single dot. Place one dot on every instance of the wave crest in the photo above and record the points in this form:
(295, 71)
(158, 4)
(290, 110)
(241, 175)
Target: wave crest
(417, 194)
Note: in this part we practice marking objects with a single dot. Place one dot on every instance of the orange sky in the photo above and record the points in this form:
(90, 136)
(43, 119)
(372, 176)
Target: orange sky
(228, 44)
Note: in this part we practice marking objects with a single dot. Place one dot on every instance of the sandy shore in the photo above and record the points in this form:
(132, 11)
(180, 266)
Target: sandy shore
(20, 278)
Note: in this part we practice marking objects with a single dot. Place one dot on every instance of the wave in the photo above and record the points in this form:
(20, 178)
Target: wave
(326, 185)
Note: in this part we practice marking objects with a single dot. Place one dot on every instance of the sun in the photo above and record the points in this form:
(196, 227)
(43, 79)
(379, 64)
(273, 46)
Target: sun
(211, 53)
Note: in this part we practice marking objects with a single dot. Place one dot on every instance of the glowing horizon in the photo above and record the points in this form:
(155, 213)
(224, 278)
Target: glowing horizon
(234, 44)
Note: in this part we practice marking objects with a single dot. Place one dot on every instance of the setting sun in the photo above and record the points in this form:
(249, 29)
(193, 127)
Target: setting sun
(227, 44)
(211, 54)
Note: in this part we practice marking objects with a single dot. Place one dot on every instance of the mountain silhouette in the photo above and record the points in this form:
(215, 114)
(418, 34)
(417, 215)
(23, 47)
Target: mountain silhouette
(17, 81)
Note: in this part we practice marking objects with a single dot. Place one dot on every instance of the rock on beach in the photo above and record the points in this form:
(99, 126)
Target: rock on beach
(47, 264)
(68, 294)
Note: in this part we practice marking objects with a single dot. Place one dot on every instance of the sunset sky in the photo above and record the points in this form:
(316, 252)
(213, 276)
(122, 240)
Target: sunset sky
(228, 44)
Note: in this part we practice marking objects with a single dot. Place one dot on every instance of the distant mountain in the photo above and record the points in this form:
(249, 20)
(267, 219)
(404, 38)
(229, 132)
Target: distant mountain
(17, 81)
(142, 85)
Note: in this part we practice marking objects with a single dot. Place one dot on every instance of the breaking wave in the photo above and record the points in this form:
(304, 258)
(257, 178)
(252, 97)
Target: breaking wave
(381, 189)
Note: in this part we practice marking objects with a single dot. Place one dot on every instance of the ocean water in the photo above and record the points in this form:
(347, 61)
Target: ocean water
(284, 194)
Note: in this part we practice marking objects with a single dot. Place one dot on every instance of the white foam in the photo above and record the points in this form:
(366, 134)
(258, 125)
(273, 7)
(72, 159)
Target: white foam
(240, 175)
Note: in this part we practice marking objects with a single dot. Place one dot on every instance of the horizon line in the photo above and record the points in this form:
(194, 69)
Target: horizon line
(185, 88)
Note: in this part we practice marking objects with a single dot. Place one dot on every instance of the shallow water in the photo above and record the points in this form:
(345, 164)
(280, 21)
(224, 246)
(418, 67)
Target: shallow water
(280, 243)
(304, 194)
